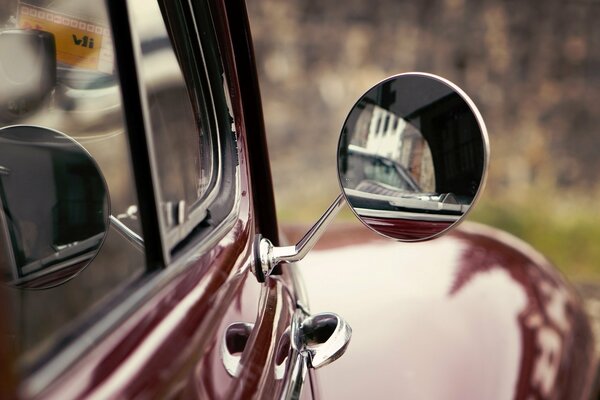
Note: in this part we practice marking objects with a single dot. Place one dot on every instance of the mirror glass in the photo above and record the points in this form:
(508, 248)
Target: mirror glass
(412, 156)
(54, 207)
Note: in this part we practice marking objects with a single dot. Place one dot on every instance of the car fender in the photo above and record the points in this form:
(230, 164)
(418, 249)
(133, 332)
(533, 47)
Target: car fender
(475, 314)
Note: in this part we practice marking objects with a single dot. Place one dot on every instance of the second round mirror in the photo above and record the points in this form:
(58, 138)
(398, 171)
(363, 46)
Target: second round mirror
(412, 156)
(54, 207)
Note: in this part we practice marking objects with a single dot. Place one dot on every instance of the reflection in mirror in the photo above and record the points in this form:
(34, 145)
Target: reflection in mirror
(53, 207)
(412, 156)
(27, 71)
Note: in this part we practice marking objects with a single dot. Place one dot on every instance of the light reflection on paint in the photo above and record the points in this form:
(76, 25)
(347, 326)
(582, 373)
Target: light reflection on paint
(402, 317)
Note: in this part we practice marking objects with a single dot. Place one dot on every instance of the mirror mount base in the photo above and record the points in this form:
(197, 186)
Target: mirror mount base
(268, 256)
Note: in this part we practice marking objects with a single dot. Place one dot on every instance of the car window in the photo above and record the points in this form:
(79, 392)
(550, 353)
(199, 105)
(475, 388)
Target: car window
(84, 102)
(183, 151)
(85, 105)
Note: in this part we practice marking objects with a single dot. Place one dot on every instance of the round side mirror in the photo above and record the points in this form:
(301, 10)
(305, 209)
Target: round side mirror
(54, 207)
(413, 156)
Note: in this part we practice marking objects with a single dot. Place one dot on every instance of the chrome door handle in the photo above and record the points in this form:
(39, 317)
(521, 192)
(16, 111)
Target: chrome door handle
(323, 338)
(233, 345)
(317, 340)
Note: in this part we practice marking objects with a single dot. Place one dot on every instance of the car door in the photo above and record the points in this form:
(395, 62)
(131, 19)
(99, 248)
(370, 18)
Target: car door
(143, 86)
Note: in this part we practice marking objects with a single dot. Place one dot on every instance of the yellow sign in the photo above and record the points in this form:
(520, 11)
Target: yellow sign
(79, 43)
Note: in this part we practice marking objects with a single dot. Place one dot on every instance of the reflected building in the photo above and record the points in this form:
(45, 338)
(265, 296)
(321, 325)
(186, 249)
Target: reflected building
(383, 133)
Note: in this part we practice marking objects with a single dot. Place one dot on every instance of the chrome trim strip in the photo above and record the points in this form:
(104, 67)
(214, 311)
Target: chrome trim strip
(293, 386)
(295, 383)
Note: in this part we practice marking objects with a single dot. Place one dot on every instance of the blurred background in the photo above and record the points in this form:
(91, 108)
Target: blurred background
(532, 68)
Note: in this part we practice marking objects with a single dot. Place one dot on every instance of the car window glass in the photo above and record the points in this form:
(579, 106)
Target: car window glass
(183, 150)
(85, 104)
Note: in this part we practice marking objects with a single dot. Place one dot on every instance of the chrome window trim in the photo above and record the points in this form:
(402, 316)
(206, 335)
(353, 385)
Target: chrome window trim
(172, 236)
(177, 233)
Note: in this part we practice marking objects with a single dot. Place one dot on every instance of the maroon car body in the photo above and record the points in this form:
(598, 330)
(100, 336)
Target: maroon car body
(475, 314)
(406, 229)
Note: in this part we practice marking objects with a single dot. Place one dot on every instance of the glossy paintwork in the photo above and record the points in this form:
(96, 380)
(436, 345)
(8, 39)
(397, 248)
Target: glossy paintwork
(476, 314)
(406, 229)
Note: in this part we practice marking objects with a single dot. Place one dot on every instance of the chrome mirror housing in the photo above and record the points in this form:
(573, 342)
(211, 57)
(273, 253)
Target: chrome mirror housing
(412, 156)
(412, 161)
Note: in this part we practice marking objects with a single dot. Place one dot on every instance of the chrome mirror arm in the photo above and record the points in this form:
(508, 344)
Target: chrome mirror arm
(127, 233)
(269, 256)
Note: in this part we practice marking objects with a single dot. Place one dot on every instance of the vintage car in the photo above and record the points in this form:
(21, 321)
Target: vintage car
(141, 255)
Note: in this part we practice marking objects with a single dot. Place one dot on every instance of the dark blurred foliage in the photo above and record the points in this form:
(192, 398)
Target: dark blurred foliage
(532, 67)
